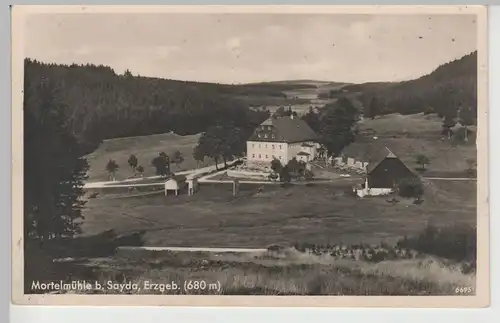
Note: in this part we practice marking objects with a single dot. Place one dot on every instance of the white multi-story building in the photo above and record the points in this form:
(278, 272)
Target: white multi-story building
(283, 139)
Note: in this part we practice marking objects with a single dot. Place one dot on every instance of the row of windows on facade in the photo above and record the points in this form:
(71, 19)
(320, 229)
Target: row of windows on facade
(260, 156)
(265, 136)
(265, 146)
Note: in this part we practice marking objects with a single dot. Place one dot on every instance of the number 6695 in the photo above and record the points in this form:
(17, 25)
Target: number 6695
(463, 290)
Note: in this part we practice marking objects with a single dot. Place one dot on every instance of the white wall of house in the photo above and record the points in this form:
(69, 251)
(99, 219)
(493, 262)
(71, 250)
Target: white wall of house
(369, 191)
(263, 152)
(293, 150)
(312, 151)
(373, 191)
(258, 151)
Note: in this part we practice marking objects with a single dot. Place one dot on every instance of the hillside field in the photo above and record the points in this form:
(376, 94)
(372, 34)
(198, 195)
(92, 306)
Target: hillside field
(145, 148)
(321, 213)
(410, 135)
(405, 135)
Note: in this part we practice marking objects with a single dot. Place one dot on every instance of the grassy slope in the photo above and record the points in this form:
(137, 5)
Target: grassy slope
(409, 135)
(145, 148)
(316, 214)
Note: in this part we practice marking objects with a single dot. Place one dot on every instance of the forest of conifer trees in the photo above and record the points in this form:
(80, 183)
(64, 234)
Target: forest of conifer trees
(100, 104)
(447, 89)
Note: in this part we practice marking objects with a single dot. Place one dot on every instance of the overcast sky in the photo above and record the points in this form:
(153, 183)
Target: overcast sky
(240, 48)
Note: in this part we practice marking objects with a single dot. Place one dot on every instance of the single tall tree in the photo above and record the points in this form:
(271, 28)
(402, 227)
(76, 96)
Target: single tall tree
(467, 118)
(422, 160)
(111, 168)
(132, 162)
(293, 166)
(127, 73)
(285, 174)
(140, 170)
(276, 165)
(448, 123)
(162, 164)
(177, 158)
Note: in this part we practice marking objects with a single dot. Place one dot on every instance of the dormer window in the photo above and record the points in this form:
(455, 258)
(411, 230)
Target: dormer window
(258, 135)
(273, 136)
(265, 136)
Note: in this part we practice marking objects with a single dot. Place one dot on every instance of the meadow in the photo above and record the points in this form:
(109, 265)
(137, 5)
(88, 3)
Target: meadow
(410, 135)
(261, 216)
(145, 148)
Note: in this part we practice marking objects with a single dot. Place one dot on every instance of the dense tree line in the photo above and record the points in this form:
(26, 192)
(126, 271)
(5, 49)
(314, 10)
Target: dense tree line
(335, 124)
(101, 104)
(446, 90)
(54, 169)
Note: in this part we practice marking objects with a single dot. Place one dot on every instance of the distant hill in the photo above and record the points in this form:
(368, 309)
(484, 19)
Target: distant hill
(287, 85)
(443, 91)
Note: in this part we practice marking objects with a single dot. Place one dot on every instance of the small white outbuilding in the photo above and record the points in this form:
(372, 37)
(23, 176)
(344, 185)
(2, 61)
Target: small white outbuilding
(175, 183)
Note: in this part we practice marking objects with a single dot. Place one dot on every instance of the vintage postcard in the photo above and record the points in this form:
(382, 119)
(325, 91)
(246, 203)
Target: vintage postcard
(250, 156)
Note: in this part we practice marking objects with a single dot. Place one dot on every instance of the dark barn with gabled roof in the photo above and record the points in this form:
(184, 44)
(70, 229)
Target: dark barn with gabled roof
(388, 172)
(384, 174)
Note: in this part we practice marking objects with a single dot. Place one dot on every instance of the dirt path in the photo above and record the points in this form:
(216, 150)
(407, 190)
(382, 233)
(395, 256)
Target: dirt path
(130, 182)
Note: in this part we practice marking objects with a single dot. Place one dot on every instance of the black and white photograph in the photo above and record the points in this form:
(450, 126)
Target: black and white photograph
(286, 152)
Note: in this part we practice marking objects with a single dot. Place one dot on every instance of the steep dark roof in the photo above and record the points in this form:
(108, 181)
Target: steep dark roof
(388, 171)
(376, 160)
(284, 129)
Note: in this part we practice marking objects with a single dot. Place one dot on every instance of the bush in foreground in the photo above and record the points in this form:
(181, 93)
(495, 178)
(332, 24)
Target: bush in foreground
(457, 242)
(410, 187)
